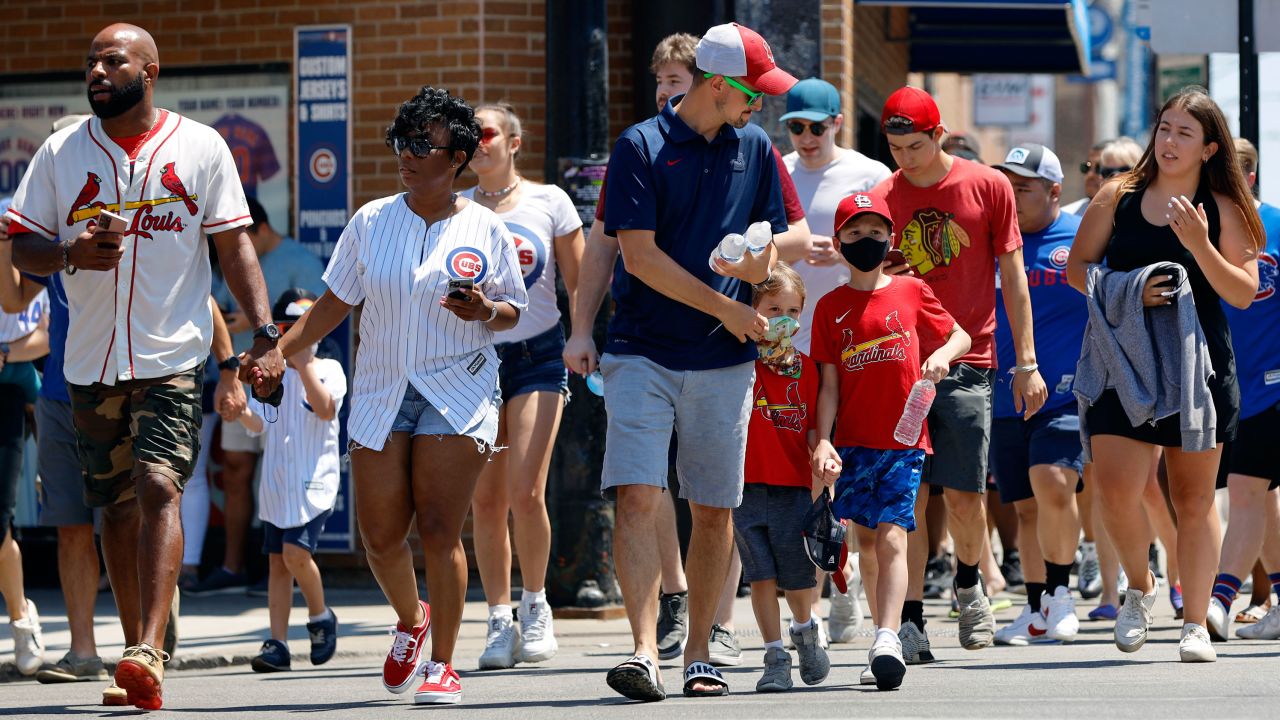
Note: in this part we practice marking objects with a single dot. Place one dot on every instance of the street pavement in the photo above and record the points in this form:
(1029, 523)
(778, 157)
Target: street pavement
(1088, 679)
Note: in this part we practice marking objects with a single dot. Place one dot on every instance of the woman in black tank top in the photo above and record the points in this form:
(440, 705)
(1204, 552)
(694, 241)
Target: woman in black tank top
(1185, 202)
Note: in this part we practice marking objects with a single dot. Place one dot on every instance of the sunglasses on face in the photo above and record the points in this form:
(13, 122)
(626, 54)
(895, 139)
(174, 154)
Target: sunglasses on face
(797, 128)
(487, 135)
(1087, 167)
(420, 147)
(752, 95)
(1107, 172)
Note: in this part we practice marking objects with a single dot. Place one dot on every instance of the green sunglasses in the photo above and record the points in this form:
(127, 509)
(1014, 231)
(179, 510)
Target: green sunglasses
(752, 95)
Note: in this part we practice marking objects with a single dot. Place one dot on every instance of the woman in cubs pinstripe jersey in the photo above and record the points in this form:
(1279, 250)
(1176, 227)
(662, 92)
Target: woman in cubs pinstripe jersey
(438, 276)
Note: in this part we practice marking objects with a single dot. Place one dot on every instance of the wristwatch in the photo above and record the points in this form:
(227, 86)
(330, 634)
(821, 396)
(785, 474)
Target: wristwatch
(268, 332)
(232, 363)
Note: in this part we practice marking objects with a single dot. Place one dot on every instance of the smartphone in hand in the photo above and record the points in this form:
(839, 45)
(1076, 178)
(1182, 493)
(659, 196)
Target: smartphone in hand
(895, 257)
(457, 285)
(112, 223)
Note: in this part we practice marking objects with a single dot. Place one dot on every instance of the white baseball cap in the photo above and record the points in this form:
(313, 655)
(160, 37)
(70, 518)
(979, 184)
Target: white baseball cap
(1033, 160)
(735, 50)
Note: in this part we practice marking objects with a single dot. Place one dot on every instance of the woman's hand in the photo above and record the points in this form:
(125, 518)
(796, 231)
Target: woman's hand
(1189, 223)
(476, 307)
(1154, 293)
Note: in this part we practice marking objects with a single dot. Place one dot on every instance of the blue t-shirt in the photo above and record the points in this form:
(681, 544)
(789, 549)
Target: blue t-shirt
(1058, 317)
(1255, 331)
(54, 385)
(665, 177)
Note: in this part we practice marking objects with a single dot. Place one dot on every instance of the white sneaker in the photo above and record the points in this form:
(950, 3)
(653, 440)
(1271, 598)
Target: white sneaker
(1089, 581)
(1134, 619)
(1218, 620)
(1122, 584)
(824, 640)
(1028, 628)
(887, 666)
(501, 644)
(28, 641)
(537, 634)
(867, 677)
(1060, 615)
(1195, 645)
(1268, 628)
(846, 610)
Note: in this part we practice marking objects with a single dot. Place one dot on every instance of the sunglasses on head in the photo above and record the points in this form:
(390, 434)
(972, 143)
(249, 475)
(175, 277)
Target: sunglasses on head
(420, 147)
(816, 129)
(752, 95)
(1107, 172)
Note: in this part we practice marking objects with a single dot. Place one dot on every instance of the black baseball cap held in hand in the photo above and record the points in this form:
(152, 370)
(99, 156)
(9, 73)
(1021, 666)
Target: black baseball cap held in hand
(824, 540)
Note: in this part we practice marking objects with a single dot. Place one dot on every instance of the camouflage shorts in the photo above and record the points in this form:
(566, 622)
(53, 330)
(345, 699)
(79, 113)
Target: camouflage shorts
(136, 428)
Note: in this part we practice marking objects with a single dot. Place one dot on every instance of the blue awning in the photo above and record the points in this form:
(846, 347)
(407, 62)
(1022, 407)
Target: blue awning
(1004, 36)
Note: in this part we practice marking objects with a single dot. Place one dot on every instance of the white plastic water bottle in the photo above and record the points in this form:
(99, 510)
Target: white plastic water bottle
(759, 235)
(595, 383)
(914, 413)
(731, 249)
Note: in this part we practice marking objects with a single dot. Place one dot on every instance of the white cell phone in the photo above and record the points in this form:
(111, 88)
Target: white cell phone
(111, 222)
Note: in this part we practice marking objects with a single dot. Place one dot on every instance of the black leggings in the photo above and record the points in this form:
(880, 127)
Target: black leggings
(13, 428)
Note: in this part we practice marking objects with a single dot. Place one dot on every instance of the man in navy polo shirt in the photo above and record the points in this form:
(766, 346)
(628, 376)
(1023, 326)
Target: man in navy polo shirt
(681, 348)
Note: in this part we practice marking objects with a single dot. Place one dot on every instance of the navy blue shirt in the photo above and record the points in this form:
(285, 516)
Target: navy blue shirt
(54, 385)
(665, 177)
(1058, 317)
(1253, 330)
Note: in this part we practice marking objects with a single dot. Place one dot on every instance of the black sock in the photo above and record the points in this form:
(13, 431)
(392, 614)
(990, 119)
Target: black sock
(1056, 576)
(1033, 595)
(913, 611)
(966, 575)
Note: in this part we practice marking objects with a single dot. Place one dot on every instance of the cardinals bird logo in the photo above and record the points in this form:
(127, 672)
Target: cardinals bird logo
(92, 186)
(786, 416)
(171, 182)
(856, 355)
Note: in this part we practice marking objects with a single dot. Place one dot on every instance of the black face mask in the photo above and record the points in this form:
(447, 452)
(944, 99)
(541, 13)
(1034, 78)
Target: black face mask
(865, 253)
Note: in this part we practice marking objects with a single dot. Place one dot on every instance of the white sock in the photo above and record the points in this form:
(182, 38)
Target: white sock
(885, 636)
(528, 598)
(797, 628)
(328, 613)
(774, 644)
(500, 611)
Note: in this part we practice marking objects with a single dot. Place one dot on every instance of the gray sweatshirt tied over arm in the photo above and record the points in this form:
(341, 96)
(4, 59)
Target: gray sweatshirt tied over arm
(1156, 359)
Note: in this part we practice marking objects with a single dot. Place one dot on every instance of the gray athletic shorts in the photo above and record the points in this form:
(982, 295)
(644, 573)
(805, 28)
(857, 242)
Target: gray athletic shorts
(768, 528)
(58, 464)
(960, 430)
(708, 409)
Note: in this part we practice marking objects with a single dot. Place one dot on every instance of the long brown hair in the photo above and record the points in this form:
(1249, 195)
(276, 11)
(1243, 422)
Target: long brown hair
(1221, 171)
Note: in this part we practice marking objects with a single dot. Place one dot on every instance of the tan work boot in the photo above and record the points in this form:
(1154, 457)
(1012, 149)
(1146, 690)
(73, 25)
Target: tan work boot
(141, 673)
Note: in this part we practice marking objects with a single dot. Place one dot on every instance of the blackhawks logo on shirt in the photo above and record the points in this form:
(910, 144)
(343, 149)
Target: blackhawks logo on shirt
(931, 239)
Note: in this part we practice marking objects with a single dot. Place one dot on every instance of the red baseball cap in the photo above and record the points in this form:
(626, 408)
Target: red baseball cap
(913, 105)
(861, 204)
(736, 51)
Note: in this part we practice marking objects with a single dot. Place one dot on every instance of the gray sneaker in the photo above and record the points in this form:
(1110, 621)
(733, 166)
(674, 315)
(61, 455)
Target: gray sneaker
(724, 647)
(72, 669)
(814, 663)
(977, 622)
(673, 624)
(915, 644)
(777, 672)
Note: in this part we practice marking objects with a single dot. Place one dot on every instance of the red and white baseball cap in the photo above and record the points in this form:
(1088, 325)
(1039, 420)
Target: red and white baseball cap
(861, 204)
(738, 51)
(913, 105)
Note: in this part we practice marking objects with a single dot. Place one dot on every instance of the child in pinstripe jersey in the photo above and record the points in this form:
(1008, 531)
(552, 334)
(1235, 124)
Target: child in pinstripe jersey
(298, 487)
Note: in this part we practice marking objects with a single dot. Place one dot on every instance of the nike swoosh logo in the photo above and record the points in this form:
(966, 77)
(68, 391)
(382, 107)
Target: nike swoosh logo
(842, 317)
(673, 162)
(1034, 632)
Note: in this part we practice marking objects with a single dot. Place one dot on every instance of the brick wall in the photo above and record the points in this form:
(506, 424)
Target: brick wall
(837, 60)
(879, 61)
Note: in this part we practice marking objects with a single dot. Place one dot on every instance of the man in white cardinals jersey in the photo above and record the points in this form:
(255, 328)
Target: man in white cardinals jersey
(140, 323)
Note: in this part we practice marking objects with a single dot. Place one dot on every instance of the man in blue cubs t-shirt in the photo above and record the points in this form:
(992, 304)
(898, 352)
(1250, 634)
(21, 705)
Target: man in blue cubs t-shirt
(681, 350)
(1037, 461)
(1250, 468)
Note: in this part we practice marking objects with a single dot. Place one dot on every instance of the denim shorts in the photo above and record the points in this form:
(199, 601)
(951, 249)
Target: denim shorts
(1017, 445)
(418, 416)
(878, 486)
(533, 365)
(306, 537)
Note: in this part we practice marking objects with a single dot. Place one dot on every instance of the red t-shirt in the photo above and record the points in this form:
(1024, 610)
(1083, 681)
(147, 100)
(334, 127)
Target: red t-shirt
(790, 198)
(783, 411)
(875, 340)
(951, 233)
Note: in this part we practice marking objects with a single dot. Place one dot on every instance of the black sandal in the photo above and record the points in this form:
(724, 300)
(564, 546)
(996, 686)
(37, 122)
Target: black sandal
(699, 670)
(637, 679)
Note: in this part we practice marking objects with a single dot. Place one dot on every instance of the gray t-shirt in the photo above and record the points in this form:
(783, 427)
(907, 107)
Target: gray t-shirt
(820, 193)
(288, 265)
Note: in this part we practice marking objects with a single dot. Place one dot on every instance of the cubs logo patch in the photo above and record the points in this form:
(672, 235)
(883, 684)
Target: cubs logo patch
(530, 251)
(1268, 273)
(466, 262)
(1017, 155)
(1058, 258)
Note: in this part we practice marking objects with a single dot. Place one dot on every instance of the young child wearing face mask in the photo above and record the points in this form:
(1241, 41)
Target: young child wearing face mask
(768, 524)
(867, 337)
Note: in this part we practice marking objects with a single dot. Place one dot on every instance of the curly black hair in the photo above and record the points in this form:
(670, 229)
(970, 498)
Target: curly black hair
(432, 106)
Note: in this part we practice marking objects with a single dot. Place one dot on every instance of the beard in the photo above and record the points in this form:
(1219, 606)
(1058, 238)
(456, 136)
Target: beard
(123, 99)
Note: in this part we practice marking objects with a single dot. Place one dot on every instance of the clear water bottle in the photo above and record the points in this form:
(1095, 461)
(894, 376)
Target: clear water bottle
(595, 383)
(915, 412)
(758, 237)
(731, 249)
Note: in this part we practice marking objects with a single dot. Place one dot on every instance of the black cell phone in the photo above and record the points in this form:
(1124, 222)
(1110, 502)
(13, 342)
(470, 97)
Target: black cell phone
(1175, 277)
(456, 285)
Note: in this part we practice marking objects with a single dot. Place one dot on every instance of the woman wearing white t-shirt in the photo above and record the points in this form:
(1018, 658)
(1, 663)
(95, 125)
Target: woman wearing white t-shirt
(424, 402)
(548, 236)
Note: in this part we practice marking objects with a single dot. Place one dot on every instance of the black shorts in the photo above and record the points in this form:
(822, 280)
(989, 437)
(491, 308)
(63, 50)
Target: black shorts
(1107, 417)
(1252, 453)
